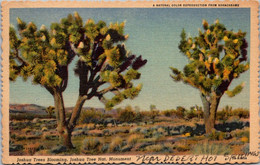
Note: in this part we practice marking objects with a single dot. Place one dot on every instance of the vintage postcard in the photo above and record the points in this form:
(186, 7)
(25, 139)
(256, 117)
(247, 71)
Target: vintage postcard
(130, 82)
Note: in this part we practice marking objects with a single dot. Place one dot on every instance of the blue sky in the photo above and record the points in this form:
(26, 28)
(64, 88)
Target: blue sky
(154, 33)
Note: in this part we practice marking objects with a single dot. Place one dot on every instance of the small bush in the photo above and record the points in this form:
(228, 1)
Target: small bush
(90, 126)
(153, 114)
(105, 148)
(169, 113)
(191, 114)
(182, 147)
(180, 112)
(91, 145)
(116, 144)
(211, 149)
(44, 129)
(135, 130)
(139, 116)
(154, 148)
(90, 116)
(216, 135)
(127, 115)
(241, 113)
(161, 130)
(132, 139)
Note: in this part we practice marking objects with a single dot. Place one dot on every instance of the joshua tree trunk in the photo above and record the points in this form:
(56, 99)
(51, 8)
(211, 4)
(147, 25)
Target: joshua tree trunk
(210, 110)
(64, 131)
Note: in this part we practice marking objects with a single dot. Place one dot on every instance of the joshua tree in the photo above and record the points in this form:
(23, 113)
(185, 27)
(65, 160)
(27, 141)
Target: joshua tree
(216, 57)
(50, 110)
(104, 64)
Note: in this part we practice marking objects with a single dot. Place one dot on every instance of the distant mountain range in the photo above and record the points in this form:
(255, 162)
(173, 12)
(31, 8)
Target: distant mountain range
(40, 110)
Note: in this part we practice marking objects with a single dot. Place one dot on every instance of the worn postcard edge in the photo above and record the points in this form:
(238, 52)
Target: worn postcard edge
(254, 61)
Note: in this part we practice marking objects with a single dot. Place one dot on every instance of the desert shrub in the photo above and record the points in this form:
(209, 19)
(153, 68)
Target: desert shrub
(182, 147)
(154, 148)
(126, 148)
(216, 135)
(145, 116)
(90, 116)
(127, 115)
(240, 133)
(50, 111)
(161, 130)
(116, 144)
(44, 129)
(132, 139)
(191, 114)
(90, 126)
(211, 149)
(241, 113)
(169, 113)
(157, 135)
(91, 145)
(153, 114)
(180, 112)
(106, 132)
(105, 148)
(225, 113)
(143, 131)
(32, 148)
(139, 116)
(135, 130)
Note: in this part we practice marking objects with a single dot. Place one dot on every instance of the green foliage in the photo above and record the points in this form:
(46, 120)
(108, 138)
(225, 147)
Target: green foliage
(216, 57)
(44, 55)
(38, 53)
(105, 62)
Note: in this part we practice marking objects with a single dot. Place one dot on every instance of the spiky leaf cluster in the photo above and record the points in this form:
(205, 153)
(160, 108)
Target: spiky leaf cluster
(38, 53)
(104, 65)
(216, 57)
